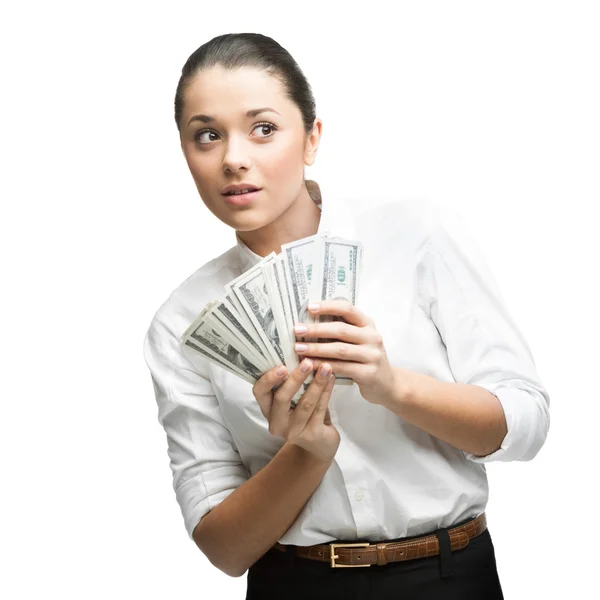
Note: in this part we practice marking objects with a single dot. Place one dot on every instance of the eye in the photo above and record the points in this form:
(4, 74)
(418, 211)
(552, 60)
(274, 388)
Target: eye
(199, 133)
(263, 124)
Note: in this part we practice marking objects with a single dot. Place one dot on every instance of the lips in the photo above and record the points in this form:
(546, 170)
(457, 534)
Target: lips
(242, 199)
(233, 190)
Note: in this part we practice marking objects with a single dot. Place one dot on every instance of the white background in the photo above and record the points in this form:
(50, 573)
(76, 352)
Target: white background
(491, 107)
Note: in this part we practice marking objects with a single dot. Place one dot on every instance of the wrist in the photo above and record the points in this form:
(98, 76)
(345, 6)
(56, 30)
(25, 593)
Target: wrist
(400, 388)
(307, 457)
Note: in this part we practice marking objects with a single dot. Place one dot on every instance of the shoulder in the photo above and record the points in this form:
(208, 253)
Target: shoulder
(186, 301)
(412, 221)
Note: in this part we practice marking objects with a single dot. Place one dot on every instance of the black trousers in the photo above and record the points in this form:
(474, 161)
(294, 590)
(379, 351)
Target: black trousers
(467, 574)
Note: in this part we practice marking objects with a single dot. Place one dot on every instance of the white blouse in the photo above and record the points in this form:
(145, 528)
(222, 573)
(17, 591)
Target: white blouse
(435, 302)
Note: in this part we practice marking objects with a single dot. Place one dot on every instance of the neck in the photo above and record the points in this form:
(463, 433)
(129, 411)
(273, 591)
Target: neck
(300, 220)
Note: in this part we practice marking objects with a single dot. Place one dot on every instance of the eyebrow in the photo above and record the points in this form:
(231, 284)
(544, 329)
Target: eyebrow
(250, 113)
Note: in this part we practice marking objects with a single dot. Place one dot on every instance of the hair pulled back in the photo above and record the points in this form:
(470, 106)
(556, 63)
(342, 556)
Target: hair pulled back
(233, 50)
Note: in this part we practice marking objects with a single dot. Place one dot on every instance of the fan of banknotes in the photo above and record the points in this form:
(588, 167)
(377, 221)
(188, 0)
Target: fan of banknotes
(249, 330)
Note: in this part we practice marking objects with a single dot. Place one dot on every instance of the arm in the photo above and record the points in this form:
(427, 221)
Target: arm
(498, 396)
(465, 416)
(244, 526)
(497, 408)
(233, 517)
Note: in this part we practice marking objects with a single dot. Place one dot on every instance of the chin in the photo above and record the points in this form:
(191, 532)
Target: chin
(248, 219)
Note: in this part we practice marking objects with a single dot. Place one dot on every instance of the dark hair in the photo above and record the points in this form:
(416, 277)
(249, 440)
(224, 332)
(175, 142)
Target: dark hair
(233, 50)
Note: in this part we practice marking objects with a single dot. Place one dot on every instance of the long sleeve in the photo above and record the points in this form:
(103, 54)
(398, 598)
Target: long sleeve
(484, 345)
(204, 460)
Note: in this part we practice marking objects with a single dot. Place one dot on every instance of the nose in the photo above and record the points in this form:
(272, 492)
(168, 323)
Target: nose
(236, 156)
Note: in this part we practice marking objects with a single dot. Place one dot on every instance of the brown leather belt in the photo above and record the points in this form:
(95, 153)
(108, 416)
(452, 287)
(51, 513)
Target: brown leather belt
(365, 554)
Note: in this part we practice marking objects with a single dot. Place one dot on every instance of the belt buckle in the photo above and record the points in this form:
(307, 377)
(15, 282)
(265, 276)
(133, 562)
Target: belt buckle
(334, 555)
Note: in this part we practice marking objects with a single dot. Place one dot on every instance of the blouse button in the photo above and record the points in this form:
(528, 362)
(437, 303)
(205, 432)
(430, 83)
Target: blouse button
(359, 495)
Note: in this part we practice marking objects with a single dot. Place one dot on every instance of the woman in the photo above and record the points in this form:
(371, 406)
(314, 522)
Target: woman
(444, 382)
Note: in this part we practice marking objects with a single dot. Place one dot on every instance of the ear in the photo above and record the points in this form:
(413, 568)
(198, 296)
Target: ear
(312, 142)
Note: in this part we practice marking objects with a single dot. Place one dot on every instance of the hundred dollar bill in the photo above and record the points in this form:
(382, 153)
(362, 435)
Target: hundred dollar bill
(278, 294)
(299, 257)
(233, 340)
(294, 361)
(227, 366)
(215, 345)
(232, 363)
(277, 291)
(196, 322)
(337, 277)
(235, 307)
(226, 317)
(251, 291)
(282, 281)
(234, 370)
(337, 272)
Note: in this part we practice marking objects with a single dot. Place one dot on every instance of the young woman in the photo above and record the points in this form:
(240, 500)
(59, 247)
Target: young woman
(386, 474)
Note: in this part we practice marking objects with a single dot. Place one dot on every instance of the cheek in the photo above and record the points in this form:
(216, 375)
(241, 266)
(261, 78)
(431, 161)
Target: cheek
(279, 167)
(202, 167)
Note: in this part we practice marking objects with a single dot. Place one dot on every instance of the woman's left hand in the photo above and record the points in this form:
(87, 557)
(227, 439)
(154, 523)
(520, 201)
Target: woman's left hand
(359, 353)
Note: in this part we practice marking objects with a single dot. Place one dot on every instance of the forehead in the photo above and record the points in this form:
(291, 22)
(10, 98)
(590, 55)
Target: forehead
(224, 93)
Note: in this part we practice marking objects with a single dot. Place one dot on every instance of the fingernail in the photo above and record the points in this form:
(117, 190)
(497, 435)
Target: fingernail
(313, 306)
(325, 370)
(301, 347)
(305, 366)
(300, 329)
(280, 371)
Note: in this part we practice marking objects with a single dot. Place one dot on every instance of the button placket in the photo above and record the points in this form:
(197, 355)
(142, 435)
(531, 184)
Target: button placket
(356, 478)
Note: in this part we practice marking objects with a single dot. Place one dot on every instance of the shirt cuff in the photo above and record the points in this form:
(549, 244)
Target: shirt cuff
(527, 421)
(199, 495)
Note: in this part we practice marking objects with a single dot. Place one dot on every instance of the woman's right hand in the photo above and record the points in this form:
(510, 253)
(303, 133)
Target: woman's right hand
(308, 425)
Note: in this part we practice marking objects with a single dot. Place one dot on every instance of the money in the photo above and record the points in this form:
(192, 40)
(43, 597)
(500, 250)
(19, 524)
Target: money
(221, 313)
(216, 344)
(277, 291)
(336, 277)
(221, 363)
(251, 292)
(250, 329)
(237, 309)
(298, 257)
